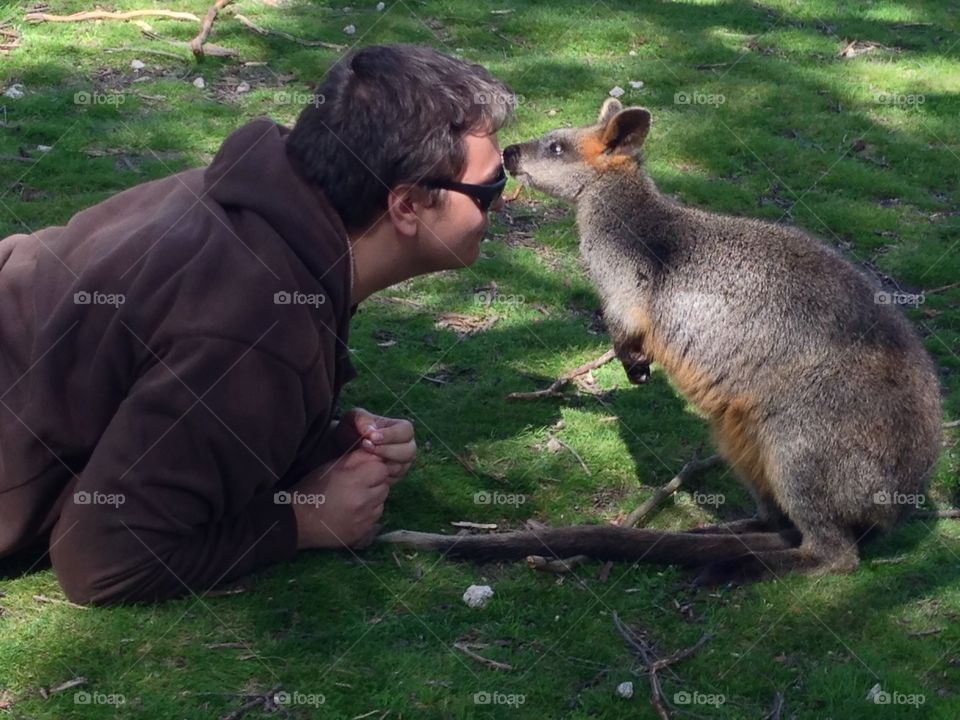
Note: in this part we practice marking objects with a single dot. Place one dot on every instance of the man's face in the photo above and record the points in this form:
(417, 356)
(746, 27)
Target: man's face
(452, 229)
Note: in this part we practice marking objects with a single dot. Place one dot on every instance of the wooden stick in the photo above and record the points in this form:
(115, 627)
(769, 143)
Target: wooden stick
(951, 424)
(474, 526)
(251, 704)
(196, 45)
(555, 565)
(246, 22)
(777, 709)
(576, 455)
(694, 466)
(554, 389)
(58, 601)
(104, 15)
(654, 665)
(465, 649)
(646, 657)
(643, 513)
(941, 289)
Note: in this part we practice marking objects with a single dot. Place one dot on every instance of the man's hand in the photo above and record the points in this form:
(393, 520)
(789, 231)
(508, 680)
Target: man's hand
(353, 489)
(390, 439)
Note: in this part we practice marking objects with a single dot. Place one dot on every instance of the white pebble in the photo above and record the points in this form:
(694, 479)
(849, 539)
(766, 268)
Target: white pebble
(381, 6)
(14, 92)
(199, 83)
(137, 64)
(243, 87)
(625, 689)
(636, 84)
(477, 596)
(44, 148)
(350, 29)
(617, 91)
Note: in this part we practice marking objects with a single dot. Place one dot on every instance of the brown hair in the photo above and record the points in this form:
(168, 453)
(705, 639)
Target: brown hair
(386, 115)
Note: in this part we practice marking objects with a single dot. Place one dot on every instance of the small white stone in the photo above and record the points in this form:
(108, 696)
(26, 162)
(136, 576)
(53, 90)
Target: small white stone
(477, 596)
(137, 64)
(636, 84)
(14, 92)
(625, 689)
(632, 53)
(199, 83)
(350, 29)
(243, 87)
(44, 148)
(617, 91)
(381, 6)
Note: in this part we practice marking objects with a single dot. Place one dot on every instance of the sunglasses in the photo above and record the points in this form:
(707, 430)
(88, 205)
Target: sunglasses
(483, 195)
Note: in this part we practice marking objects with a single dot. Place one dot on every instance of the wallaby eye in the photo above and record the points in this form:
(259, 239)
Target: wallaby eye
(555, 148)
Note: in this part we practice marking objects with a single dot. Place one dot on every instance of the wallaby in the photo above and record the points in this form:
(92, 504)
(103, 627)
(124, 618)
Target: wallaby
(819, 393)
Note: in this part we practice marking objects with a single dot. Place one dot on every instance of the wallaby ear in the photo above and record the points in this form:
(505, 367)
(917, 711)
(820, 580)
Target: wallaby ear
(626, 130)
(611, 106)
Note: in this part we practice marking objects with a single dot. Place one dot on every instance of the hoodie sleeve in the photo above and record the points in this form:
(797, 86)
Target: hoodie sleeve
(178, 494)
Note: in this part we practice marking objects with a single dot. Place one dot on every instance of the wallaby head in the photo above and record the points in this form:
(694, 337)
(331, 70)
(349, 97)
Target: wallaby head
(565, 161)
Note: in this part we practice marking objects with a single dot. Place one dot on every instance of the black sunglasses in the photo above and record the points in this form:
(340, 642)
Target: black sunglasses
(484, 195)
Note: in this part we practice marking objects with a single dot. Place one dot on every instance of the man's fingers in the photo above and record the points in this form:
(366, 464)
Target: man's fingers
(389, 431)
(405, 452)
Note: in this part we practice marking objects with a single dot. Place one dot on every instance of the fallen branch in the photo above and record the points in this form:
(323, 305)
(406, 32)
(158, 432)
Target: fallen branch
(556, 385)
(246, 22)
(942, 288)
(925, 633)
(196, 45)
(777, 709)
(640, 515)
(654, 665)
(465, 649)
(576, 455)
(210, 50)
(694, 466)
(951, 424)
(104, 15)
(555, 565)
(58, 601)
(266, 699)
(474, 526)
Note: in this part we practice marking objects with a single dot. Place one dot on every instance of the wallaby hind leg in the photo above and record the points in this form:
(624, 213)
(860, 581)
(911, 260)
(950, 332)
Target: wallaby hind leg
(769, 518)
(820, 553)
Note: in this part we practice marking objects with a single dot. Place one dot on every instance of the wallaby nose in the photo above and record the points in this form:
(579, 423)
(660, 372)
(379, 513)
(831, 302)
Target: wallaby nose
(511, 158)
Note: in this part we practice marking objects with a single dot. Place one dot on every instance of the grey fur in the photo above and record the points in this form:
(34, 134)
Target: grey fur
(844, 402)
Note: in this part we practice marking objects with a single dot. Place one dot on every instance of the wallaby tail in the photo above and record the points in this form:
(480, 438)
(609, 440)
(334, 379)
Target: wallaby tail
(600, 542)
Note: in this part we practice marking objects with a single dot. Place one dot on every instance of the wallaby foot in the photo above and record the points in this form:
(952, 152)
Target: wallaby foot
(758, 566)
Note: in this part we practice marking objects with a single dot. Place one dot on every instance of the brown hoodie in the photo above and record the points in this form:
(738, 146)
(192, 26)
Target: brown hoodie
(170, 359)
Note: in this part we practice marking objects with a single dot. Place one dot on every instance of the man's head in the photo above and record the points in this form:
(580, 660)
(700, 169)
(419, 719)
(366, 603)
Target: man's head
(392, 123)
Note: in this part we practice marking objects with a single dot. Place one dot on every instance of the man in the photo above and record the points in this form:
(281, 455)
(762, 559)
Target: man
(171, 358)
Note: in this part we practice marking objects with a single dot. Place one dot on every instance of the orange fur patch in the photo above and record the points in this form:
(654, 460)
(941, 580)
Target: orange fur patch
(733, 418)
(593, 150)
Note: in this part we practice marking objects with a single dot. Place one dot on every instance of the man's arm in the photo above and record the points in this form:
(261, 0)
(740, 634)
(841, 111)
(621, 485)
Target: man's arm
(178, 494)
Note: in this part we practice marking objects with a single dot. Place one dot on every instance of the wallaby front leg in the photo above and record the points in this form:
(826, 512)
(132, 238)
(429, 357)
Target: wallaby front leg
(635, 361)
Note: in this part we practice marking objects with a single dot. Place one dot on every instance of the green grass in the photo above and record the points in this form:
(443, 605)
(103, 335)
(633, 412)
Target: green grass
(800, 137)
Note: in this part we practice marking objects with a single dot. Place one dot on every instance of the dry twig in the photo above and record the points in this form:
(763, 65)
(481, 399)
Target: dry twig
(560, 382)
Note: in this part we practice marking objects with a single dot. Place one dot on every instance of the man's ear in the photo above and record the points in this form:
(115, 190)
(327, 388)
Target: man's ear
(626, 131)
(401, 202)
(610, 107)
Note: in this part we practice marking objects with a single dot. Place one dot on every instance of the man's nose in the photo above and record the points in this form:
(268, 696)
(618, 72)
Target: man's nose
(511, 158)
